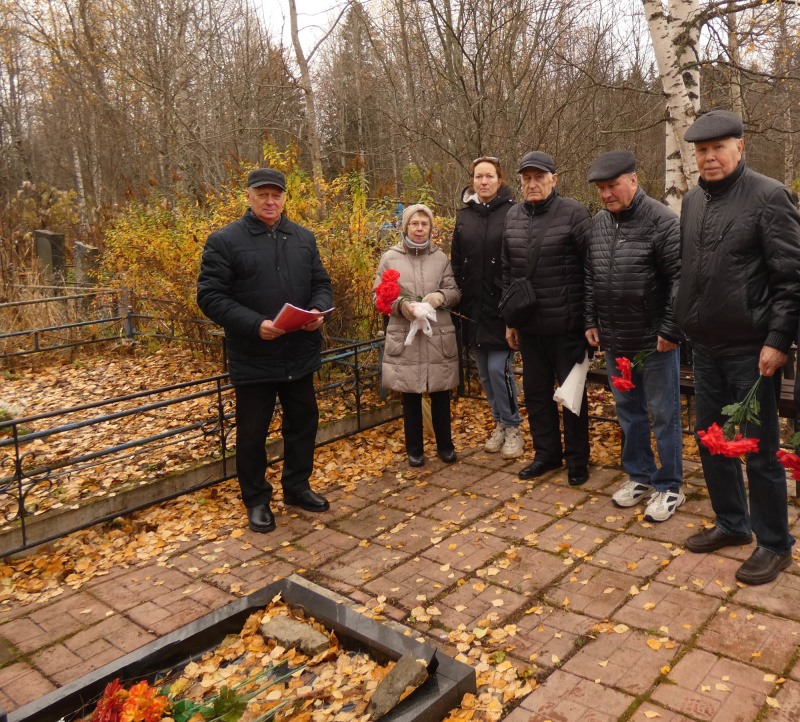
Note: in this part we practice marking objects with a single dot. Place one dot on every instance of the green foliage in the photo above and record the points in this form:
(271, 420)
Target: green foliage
(228, 706)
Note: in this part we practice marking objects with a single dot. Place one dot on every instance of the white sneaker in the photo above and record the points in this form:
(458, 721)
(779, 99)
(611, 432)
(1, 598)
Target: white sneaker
(495, 442)
(514, 445)
(631, 492)
(662, 505)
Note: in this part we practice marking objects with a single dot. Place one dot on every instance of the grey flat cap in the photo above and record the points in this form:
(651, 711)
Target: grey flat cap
(715, 124)
(266, 177)
(612, 165)
(537, 159)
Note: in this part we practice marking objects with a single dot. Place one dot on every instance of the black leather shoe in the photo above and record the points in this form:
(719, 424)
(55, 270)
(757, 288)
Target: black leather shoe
(578, 475)
(308, 500)
(763, 566)
(260, 519)
(416, 460)
(709, 540)
(537, 468)
(448, 457)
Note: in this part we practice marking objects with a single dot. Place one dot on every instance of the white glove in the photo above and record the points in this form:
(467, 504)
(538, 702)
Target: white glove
(435, 299)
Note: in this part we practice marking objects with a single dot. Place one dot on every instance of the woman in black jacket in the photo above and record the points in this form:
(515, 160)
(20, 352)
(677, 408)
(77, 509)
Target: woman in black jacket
(476, 252)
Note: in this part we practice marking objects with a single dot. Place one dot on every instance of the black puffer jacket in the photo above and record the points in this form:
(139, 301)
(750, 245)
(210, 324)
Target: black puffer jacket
(740, 279)
(475, 257)
(633, 268)
(558, 277)
(247, 274)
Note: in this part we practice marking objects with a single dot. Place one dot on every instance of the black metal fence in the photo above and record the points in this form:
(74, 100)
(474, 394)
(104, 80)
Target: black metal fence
(31, 481)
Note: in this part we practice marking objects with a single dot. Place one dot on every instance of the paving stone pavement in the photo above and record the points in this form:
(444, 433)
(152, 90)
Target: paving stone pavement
(613, 618)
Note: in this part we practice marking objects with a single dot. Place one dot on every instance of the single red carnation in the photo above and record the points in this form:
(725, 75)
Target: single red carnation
(624, 382)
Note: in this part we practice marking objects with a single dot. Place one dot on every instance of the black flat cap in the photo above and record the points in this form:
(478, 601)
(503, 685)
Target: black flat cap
(715, 124)
(537, 159)
(612, 165)
(266, 177)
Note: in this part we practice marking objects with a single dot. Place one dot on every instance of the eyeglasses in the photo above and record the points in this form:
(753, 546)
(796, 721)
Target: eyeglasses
(485, 157)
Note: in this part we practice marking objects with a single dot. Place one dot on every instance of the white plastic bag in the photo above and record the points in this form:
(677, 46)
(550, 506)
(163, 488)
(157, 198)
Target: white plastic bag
(570, 395)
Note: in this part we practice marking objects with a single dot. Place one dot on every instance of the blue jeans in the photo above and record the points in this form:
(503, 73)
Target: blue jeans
(724, 380)
(497, 378)
(657, 388)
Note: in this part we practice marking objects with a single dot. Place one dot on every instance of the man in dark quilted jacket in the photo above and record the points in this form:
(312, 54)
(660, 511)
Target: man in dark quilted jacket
(543, 242)
(632, 273)
(738, 304)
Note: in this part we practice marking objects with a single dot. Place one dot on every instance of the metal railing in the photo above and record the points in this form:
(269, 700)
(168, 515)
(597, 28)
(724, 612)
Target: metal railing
(29, 487)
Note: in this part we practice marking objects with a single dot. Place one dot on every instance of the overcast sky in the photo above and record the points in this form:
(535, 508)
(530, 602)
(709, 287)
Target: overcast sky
(313, 18)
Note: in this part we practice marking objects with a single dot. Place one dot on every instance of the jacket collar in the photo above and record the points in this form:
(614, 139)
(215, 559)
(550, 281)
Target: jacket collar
(470, 198)
(539, 208)
(626, 213)
(717, 188)
(255, 225)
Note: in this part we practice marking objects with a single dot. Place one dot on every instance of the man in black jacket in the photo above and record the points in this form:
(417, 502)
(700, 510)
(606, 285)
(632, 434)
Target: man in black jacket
(632, 272)
(250, 268)
(543, 242)
(738, 303)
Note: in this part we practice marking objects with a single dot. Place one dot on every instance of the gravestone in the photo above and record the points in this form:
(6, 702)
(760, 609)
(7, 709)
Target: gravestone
(86, 258)
(50, 251)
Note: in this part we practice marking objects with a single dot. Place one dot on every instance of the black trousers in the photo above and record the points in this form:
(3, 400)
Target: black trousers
(545, 359)
(440, 415)
(255, 404)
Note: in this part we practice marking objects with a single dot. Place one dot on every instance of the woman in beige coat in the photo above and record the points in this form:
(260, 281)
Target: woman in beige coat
(427, 363)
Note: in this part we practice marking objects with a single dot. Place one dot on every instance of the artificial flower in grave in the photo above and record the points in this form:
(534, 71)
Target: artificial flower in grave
(623, 383)
(109, 707)
(714, 440)
(144, 704)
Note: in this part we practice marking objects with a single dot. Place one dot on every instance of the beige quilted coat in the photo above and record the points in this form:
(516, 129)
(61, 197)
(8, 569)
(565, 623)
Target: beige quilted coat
(429, 363)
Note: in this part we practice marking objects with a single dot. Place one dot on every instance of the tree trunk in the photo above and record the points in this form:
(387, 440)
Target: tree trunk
(673, 44)
(311, 113)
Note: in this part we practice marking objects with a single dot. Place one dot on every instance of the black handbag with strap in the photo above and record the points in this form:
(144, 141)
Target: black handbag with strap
(519, 301)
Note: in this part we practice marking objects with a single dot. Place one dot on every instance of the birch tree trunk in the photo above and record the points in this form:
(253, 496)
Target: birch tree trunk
(674, 46)
(311, 112)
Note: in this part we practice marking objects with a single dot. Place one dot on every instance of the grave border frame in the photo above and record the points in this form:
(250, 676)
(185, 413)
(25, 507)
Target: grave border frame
(430, 702)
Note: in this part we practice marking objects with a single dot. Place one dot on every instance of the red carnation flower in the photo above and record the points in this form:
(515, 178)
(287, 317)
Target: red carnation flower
(624, 382)
(714, 441)
(791, 462)
(387, 291)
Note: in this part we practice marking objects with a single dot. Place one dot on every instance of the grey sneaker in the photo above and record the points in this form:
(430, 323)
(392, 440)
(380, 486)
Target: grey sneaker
(514, 445)
(495, 442)
(631, 493)
(662, 505)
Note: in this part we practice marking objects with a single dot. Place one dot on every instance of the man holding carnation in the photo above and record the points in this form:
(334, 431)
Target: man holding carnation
(632, 273)
(250, 269)
(738, 303)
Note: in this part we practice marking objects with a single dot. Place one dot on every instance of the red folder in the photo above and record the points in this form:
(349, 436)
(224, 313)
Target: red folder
(291, 318)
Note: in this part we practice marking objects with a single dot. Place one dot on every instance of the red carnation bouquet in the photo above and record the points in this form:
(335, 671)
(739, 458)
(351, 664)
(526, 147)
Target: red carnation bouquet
(726, 440)
(389, 290)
